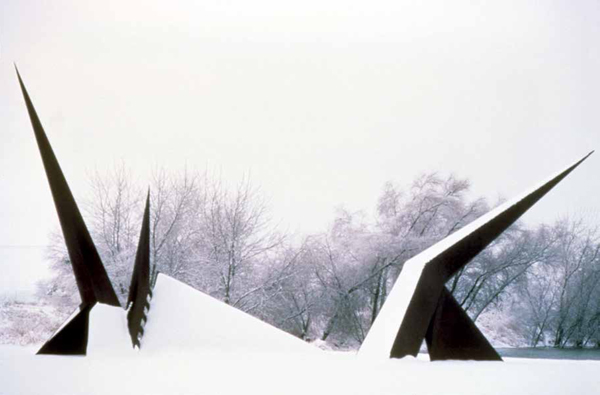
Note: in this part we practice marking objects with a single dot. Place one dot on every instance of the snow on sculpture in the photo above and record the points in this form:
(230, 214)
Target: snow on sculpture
(419, 306)
(107, 333)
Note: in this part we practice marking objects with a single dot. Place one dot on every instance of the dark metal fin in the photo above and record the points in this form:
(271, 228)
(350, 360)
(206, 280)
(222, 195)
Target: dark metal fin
(72, 337)
(453, 335)
(139, 290)
(92, 279)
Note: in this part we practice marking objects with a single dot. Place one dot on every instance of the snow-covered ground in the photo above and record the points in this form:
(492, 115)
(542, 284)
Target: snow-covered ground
(194, 344)
(22, 372)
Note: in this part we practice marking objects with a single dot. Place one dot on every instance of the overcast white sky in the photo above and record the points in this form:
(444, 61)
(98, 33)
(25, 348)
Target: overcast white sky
(320, 101)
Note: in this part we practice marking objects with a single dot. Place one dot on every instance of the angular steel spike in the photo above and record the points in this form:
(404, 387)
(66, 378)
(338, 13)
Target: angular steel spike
(92, 280)
(453, 335)
(415, 296)
(139, 290)
(72, 337)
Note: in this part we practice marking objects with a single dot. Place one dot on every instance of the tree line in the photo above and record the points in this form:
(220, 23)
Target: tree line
(330, 286)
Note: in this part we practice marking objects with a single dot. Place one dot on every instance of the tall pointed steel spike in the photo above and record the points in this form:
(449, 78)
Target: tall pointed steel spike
(413, 300)
(92, 280)
(139, 290)
(465, 248)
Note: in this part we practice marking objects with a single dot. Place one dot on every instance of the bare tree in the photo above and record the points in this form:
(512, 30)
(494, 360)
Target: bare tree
(495, 269)
(561, 292)
(539, 296)
(576, 265)
(359, 262)
(176, 204)
(114, 213)
(237, 232)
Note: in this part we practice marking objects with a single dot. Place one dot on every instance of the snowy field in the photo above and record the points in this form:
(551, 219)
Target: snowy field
(22, 372)
(234, 353)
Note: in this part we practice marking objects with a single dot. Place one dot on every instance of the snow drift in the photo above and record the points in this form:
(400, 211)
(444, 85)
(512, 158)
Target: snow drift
(183, 318)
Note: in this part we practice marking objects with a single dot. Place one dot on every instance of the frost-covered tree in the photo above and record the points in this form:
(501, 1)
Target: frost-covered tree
(239, 239)
(576, 268)
(411, 221)
(298, 307)
(113, 213)
(219, 240)
(560, 294)
(357, 261)
(484, 280)
(176, 204)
